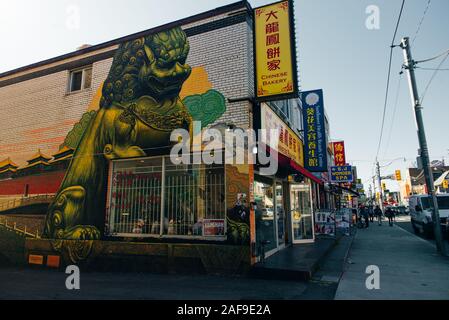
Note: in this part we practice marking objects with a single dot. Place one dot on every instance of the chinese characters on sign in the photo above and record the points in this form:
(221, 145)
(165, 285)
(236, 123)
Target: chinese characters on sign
(315, 139)
(325, 223)
(339, 153)
(289, 143)
(276, 74)
(341, 174)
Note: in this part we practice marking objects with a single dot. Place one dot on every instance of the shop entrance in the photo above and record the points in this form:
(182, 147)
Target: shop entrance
(301, 213)
(271, 217)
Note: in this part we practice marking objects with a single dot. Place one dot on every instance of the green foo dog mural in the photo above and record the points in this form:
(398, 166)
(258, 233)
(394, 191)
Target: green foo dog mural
(139, 108)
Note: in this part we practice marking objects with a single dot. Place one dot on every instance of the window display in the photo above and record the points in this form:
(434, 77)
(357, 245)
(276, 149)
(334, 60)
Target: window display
(152, 197)
(265, 219)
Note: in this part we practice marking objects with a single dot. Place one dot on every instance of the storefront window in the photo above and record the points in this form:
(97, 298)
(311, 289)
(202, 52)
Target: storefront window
(194, 200)
(153, 197)
(135, 197)
(265, 219)
(280, 213)
(301, 210)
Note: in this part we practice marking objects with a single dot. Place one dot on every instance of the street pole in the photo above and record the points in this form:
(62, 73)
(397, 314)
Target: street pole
(374, 189)
(379, 178)
(410, 68)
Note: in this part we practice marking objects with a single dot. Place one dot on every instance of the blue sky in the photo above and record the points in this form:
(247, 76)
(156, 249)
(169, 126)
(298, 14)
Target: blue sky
(337, 53)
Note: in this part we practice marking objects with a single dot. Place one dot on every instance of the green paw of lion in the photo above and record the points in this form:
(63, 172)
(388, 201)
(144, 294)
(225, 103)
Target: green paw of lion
(207, 107)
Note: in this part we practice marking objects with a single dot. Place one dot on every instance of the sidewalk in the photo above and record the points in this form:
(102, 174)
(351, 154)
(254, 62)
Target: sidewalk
(409, 266)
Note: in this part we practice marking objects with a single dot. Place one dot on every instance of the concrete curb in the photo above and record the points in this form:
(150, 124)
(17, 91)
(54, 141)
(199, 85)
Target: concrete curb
(419, 238)
(317, 264)
(345, 258)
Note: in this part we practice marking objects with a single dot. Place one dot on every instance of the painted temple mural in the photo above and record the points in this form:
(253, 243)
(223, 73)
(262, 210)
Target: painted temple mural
(149, 92)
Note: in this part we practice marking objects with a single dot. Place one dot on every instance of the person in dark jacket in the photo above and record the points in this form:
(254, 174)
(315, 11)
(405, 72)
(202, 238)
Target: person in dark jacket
(378, 213)
(365, 214)
(371, 213)
(390, 215)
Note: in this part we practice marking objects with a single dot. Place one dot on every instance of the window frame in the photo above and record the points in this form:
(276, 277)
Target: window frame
(162, 234)
(83, 71)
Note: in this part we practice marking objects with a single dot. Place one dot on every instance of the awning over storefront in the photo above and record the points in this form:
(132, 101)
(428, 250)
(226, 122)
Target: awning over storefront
(354, 193)
(287, 164)
(304, 172)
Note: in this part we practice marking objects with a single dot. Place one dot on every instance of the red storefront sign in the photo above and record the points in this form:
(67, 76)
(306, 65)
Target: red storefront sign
(213, 227)
(339, 153)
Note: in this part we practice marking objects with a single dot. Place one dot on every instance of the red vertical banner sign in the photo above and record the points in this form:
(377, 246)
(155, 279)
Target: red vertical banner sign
(339, 153)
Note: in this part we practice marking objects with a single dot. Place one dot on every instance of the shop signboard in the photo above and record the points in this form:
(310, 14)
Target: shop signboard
(213, 227)
(341, 174)
(315, 138)
(325, 223)
(288, 143)
(339, 153)
(343, 220)
(275, 52)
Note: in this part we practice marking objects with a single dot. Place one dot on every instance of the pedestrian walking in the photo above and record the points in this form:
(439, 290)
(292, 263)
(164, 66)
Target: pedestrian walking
(365, 214)
(355, 218)
(371, 213)
(390, 215)
(378, 212)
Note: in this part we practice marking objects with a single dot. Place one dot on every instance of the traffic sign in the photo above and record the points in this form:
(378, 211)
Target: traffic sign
(445, 184)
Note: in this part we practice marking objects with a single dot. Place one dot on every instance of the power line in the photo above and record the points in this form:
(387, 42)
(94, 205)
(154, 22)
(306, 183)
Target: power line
(388, 78)
(432, 69)
(421, 22)
(433, 77)
(433, 58)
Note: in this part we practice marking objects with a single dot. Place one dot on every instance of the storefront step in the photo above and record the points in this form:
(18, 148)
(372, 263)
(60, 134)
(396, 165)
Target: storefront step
(295, 263)
(117, 256)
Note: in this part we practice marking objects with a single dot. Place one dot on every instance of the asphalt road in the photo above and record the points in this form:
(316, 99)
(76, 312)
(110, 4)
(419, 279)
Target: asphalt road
(404, 223)
(44, 284)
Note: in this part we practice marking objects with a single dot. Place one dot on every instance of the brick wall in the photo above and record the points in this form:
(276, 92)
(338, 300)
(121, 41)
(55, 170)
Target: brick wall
(38, 113)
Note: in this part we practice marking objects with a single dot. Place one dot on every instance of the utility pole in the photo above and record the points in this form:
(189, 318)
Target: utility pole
(374, 189)
(410, 68)
(379, 179)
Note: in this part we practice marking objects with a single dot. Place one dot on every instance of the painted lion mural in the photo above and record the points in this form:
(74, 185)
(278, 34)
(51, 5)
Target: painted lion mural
(139, 108)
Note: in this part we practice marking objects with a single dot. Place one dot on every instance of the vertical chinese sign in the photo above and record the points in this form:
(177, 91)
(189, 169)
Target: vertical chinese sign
(339, 153)
(315, 138)
(276, 73)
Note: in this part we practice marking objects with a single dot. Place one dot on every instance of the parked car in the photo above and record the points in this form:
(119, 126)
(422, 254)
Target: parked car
(421, 214)
(401, 210)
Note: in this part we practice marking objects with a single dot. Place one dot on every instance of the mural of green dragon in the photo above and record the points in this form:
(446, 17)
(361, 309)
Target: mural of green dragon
(139, 108)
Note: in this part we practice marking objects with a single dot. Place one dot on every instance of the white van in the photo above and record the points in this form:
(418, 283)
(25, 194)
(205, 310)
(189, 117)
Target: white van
(421, 213)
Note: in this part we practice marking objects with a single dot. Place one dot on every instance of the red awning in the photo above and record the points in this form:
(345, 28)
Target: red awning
(304, 172)
(285, 161)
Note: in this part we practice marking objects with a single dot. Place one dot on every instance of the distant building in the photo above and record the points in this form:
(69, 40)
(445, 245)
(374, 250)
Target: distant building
(42, 175)
(415, 182)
